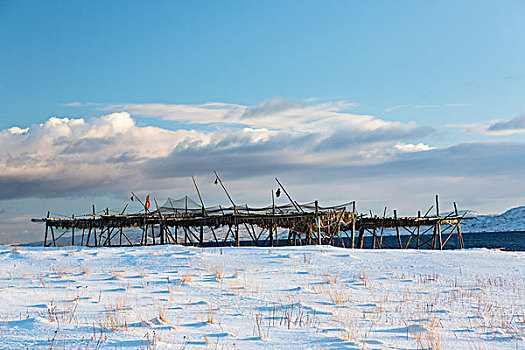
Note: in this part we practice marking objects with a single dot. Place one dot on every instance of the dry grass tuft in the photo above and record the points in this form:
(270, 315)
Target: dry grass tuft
(187, 278)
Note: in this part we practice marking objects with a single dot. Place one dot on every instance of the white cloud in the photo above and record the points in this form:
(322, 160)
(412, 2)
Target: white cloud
(409, 147)
(17, 130)
(422, 106)
(274, 114)
(506, 127)
(497, 127)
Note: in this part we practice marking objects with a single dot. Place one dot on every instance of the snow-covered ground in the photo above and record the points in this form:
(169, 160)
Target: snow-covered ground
(511, 220)
(317, 297)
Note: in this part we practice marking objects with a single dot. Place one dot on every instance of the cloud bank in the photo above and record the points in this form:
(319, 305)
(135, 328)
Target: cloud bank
(319, 149)
(68, 157)
(511, 126)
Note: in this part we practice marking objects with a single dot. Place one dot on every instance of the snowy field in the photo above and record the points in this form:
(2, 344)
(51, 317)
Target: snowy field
(173, 297)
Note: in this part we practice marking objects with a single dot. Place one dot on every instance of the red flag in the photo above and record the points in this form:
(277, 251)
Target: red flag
(147, 204)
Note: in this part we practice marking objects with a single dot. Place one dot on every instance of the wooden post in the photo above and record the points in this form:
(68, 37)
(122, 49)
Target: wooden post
(382, 228)
(328, 227)
(361, 238)
(47, 229)
(109, 233)
(100, 237)
(434, 240)
(153, 233)
(318, 223)
(460, 236)
(53, 236)
(272, 221)
(418, 230)
(95, 236)
(374, 232)
(162, 225)
(438, 224)
(397, 230)
(201, 237)
(184, 227)
(94, 229)
(237, 239)
(89, 235)
(308, 233)
(354, 217)
(82, 241)
(73, 231)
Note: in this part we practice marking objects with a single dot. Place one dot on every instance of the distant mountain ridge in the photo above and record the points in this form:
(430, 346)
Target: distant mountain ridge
(511, 220)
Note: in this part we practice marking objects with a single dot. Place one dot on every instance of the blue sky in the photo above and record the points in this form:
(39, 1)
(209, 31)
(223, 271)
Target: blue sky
(402, 84)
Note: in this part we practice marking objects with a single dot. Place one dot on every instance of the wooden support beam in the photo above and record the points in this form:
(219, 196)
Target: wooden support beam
(272, 224)
(418, 230)
(354, 218)
(73, 231)
(225, 191)
(227, 235)
(88, 236)
(460, 236)
(53, 236)
(412, 235)
(382, 228)
(397, 230)
(201, 233)
(361, 238)
(100, 236)
(338, 224)
(47, 229)
(276, 233)
(318, 223)
(131, 243)
(237, 240)
(153, 233)
(95, 237)
(438, 224)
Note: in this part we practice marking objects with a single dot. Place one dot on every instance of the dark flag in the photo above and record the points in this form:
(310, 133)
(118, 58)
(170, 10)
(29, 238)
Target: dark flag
(131, 198)
(278, 193)
(216, 181)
